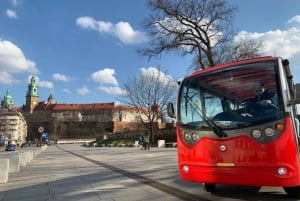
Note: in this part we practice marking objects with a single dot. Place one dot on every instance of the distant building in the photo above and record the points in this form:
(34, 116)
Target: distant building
(109, 117)
(116, 118)
(13, 125)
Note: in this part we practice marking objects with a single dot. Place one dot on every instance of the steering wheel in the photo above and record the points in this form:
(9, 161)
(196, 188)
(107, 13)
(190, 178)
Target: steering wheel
(259, 110)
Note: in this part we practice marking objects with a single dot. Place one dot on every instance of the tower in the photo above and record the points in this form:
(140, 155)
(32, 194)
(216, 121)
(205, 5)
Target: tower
(32, 95)
(8, 101)
(50, 99)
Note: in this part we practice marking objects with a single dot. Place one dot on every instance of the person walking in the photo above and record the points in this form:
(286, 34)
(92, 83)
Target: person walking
(141, 142)
(147, 141)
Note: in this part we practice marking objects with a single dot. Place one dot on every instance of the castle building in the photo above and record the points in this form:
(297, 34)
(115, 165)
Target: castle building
(115, 118)
(102, 117)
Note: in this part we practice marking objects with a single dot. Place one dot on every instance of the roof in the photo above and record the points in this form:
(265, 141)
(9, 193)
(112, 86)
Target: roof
(243, 78)
(70, 107)
(234, 63)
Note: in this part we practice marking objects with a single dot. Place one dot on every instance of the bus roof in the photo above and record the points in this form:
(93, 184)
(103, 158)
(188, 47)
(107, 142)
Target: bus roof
(243, 78)
(234, 63)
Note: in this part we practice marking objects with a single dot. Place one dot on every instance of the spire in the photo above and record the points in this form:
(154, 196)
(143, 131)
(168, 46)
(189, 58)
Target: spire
(33, 87)
(50, 99)
(32, 95)
(8, 101)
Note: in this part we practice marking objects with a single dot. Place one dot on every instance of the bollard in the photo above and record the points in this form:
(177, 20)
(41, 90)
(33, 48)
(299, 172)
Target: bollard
(22, 159)
(161, 144)
(4, 167)
(14, 163)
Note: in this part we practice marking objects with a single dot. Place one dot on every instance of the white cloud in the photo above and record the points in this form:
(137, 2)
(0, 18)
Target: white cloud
(122, 30)
(68, 91)
(60, 77)
(83, 90)
(11, 14)
(295, 19)
(157, 73)
(105, 76)
(112, 90)
(6, 78)
(29, 78)
(15, 2)
(41, 83)
(12, 60)
(285, 43)
(127, 35)
(279, 42)
(45, 84)
(87, 23)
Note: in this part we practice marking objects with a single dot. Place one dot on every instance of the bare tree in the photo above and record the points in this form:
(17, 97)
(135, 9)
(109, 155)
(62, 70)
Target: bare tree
(202, 28)
(149, 92)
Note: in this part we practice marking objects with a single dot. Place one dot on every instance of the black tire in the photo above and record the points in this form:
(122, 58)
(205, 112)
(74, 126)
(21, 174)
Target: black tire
(293, 191)
(209, 187)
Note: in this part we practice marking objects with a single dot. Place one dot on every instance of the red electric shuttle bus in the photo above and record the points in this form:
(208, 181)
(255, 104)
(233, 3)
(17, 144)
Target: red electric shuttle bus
(223, 137)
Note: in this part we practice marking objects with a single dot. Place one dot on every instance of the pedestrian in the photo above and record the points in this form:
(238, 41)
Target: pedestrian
(147, 141)
(141, 142)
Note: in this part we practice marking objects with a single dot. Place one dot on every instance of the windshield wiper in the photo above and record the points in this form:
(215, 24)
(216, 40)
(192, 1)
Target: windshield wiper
(217, 130)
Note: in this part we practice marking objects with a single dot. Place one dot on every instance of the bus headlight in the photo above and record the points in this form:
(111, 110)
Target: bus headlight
(269, 132)
(195, 136)
(187, 136)
(256, 133)
(282, 171)
(185, 168)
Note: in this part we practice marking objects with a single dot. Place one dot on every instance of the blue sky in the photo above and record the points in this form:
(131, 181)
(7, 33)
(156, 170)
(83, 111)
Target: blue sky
(83, 50)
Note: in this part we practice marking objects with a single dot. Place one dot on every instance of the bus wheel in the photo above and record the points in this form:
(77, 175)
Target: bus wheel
(293, 191)
(209, 187)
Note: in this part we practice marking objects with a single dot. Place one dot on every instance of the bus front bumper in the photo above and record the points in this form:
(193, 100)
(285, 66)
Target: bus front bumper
(227, 173)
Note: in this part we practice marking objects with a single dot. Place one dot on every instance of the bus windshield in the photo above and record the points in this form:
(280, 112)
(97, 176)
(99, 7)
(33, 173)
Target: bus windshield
(231, 97)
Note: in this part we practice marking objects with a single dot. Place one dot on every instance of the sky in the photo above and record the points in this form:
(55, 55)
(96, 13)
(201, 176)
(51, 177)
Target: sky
(82, 51)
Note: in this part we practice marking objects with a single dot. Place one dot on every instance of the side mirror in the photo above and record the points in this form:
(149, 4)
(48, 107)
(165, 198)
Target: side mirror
(297, 93)
(171, 111)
